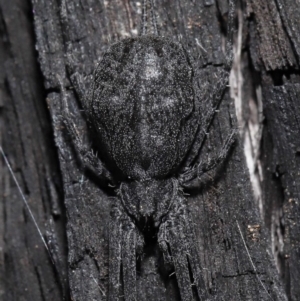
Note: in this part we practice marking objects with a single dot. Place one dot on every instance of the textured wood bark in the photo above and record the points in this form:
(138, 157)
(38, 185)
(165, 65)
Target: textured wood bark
(274, 49)
(224, 212)
(27, 138)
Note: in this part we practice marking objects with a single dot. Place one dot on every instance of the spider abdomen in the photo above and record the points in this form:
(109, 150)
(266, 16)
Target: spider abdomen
(142, 105)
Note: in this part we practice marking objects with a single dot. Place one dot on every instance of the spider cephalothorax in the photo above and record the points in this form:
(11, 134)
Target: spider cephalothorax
(143, 108)
(148, 201)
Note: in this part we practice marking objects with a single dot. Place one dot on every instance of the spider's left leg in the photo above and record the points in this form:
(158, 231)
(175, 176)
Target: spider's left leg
(219, 87)
(177, 235)
(177, 246)
(193, 255)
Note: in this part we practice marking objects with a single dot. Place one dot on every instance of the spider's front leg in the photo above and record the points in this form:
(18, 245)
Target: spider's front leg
(176, 234)
(86, 156)
(125, 242)
(216, 94)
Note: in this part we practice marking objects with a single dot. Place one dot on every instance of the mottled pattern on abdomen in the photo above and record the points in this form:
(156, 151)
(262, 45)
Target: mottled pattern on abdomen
(143, 105)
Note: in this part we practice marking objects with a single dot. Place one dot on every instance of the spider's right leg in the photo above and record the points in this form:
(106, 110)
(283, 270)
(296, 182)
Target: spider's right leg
(204, 167)
(115, 256)
(216, 97)
(177, 244)
(176, 235)
(87, 157)
(218, 90)
(129, 239)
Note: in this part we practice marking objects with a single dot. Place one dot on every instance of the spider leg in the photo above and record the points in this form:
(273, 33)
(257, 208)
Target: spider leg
(193, 256)
(86, 156)
(148, 18)
(163, 242)
(115, 239)
(129, 259)
(125, 243)
(177, 234)
(220, 86)
(205, 167)
(179, 256)
(77, 83)
(206, 121)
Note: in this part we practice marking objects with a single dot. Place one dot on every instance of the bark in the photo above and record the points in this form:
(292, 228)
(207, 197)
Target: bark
(232, 224)
(27, 138)
(275, 54)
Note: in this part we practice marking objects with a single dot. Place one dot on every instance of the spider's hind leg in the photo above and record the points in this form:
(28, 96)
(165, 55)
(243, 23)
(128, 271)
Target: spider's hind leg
(176, 235)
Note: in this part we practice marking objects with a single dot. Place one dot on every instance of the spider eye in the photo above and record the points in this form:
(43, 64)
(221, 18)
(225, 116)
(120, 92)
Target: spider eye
(159, 52)
(126, 50)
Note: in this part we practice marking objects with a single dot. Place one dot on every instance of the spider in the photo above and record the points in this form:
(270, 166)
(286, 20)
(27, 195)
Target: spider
(146, 120)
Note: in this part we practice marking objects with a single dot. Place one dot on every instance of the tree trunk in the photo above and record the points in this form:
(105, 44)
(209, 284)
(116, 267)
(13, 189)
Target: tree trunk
(27, 139)
(239, 233)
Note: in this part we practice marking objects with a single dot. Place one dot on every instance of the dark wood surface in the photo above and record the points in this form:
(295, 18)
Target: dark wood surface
(70, 207)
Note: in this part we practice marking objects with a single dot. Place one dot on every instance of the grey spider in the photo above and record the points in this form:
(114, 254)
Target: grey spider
(144, 111)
